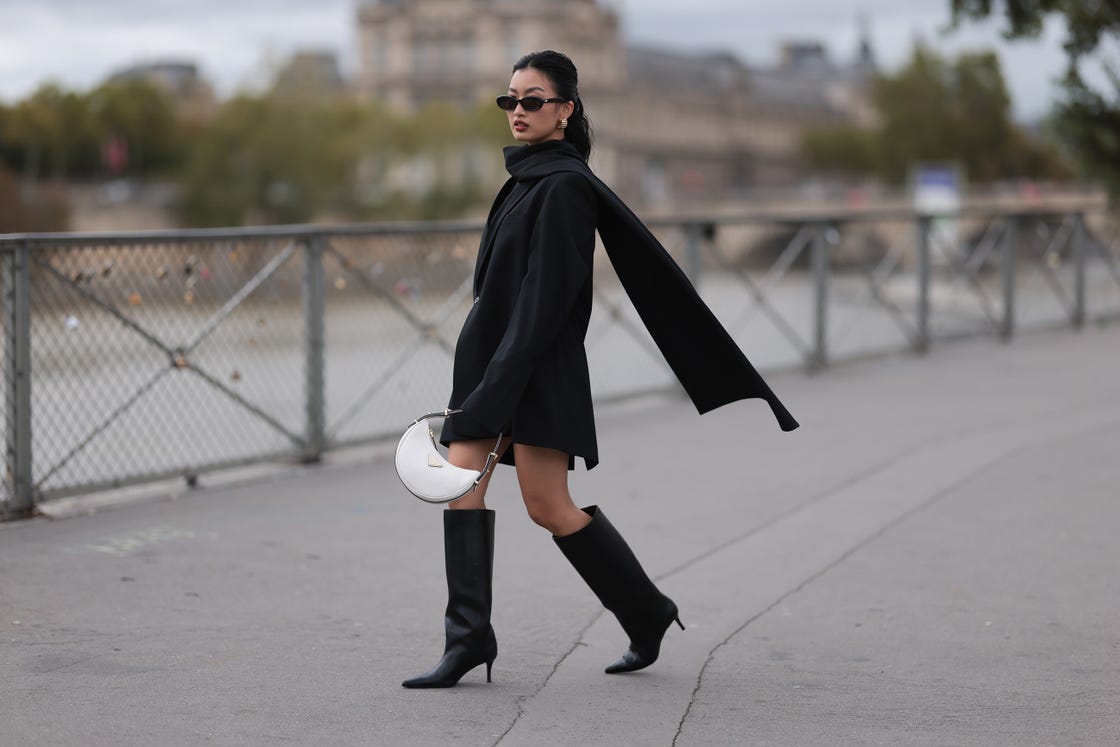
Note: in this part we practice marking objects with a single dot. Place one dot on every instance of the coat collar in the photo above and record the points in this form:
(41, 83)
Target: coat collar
(530, 162)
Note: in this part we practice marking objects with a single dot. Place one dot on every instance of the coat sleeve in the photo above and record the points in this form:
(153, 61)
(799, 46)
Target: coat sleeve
(561, 253)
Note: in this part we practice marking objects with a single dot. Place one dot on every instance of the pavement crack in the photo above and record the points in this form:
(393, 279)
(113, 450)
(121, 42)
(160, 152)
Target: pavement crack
(793, 511)
(522, 700)
(843, 557)
(847, 483)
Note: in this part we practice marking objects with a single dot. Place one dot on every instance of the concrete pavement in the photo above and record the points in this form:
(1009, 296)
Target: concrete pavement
(931, 559)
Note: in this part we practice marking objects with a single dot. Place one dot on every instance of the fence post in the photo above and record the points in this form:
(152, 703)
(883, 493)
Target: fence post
(693, 235)
(17, 380)
(820, 285)
(921, 344)
(1007, 256)
(314, 358)
(1079, 258)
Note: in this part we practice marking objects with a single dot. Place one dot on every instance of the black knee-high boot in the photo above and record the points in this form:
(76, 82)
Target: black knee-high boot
(468, 546)
(601, 556)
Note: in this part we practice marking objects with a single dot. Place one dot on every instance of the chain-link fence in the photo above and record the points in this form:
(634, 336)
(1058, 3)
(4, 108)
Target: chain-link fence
(135, 357)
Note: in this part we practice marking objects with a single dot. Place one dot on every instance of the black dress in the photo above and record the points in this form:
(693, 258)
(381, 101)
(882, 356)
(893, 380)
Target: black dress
(520, 365)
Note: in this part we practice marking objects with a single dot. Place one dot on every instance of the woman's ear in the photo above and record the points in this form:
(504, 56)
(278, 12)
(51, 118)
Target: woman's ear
(567, 109)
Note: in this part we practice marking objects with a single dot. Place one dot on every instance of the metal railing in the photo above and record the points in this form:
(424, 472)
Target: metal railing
(135, 357)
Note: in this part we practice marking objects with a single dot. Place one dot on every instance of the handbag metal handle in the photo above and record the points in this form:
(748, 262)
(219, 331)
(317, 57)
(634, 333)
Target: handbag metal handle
(490, 458)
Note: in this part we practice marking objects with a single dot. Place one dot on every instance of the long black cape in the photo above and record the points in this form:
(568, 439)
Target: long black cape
(707, 362)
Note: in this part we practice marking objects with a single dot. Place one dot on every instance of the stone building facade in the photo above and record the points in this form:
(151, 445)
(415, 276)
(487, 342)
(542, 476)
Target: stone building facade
(416, 51)
(671, 128)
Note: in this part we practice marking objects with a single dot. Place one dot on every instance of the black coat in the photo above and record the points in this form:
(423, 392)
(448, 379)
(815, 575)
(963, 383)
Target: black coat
(520, 365)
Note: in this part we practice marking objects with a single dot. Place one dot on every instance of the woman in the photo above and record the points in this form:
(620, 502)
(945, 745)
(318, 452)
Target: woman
(521, 368)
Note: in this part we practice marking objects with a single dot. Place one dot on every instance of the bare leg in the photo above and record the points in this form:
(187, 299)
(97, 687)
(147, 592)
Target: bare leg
(472, 455)
(543, 476)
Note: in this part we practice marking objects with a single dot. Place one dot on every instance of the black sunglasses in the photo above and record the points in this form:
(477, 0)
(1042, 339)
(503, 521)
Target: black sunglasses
(529, 103)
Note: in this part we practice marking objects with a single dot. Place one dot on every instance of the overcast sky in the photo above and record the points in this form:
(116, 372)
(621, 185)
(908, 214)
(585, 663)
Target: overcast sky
(80, 42)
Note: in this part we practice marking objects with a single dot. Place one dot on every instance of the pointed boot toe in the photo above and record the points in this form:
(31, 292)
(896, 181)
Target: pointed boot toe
(645, 641)
(631, 661)
(451, 669)
(607, 564)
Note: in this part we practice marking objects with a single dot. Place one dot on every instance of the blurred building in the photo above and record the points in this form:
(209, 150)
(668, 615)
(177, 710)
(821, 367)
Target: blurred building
(180, 81)
(416, 51)
(670, 126)
(311, 72)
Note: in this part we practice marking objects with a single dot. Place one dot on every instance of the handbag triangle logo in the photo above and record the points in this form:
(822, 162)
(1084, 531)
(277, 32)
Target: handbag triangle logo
(434, 461)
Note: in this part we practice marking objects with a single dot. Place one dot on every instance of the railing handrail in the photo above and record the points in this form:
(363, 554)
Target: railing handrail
(310, 230)
(872, 215)
(294, 231)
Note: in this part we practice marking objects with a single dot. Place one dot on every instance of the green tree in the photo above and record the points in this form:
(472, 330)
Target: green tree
(10, 153)
(60, 134)
(917, 115)
(289, 157)
(144, 119)
(53, 131)
(219, 179)
(849, 151)
(983, 128)
(273, 158)
(937, 110)
(1087, 118)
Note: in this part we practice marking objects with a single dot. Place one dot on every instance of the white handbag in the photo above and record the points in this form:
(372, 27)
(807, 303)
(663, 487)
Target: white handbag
(424, 471)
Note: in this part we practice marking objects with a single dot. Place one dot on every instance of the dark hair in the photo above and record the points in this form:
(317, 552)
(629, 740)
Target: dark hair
(561, 71)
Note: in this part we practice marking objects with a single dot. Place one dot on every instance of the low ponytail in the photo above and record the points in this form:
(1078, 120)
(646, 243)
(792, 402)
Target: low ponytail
(561, 71)
(579, 131)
